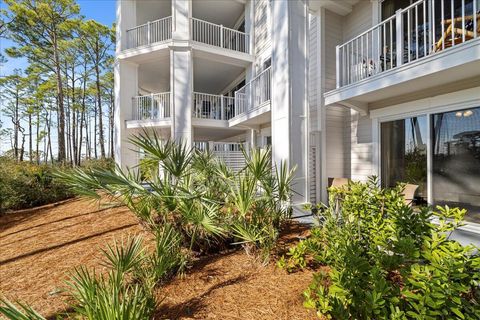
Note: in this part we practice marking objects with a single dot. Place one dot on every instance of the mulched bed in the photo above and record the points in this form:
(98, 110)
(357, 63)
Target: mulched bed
(38, 248)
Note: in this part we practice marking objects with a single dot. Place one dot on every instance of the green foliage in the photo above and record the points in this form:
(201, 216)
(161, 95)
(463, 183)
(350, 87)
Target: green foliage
(22, 312)
(126, 291)
(105, 163)
(26, 185)
(385, 260)
(208, 204)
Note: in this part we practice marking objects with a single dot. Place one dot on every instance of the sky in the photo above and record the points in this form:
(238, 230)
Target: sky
(102, 11)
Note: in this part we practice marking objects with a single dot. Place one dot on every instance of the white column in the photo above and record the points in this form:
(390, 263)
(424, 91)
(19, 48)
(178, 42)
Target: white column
(289, 90)
(181, 73)
(126, 84)
(250, 139)
(126, 19)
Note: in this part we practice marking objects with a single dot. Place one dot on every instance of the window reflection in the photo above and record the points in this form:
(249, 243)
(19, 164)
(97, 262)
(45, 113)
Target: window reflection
(456, 160)
(404, 154)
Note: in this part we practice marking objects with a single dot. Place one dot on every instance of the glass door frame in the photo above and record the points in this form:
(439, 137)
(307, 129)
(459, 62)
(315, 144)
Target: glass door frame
(399, 112)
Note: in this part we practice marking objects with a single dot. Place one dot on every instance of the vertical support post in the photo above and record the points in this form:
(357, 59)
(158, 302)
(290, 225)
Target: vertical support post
(399, 38)
(222, 107)
(148, 32)
(338, 66)
(221, 36)
(152, 113)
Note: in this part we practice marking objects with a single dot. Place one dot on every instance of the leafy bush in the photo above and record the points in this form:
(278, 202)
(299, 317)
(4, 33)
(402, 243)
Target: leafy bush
(106, 163)
(26, 185)
(385, 260)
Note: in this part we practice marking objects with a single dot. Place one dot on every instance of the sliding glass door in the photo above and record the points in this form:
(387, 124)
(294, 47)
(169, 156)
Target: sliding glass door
(404, 154)
(452, 141)
(456, 160)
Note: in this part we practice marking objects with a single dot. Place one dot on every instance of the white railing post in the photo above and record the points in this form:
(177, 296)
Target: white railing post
(221, 36)
(148, 32)
(338, 66)
(222, 107)
(151, 106)
(399, 38)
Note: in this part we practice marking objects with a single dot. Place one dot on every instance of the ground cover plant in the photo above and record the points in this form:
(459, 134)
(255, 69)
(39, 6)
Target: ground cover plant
(193, 205)
(379, 258)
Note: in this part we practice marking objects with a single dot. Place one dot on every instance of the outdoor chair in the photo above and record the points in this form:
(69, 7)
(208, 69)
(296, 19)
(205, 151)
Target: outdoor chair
(409, 193)
(338, 182)
(455, 31)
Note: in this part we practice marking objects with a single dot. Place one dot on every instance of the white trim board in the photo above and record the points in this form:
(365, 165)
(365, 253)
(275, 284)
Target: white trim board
(441, 103)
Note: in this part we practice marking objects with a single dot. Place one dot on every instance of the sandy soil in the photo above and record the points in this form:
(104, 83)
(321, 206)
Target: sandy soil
(39, 247)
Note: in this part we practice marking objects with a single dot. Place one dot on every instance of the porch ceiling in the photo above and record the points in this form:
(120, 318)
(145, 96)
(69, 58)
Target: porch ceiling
(212, 76)
(224, 12)
(217, 134)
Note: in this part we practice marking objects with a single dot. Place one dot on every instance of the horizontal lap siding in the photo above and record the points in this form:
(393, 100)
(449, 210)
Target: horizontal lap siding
(359, 20)
(337, 139)
(359, 128)
(263, 39)
(313, 71)
(361, 146)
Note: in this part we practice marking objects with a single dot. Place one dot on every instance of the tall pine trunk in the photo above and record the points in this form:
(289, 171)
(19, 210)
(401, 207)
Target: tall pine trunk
(99, 104)
(60, 104)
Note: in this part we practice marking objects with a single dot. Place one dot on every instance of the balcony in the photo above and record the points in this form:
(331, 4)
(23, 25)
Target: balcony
(212, 107)
(219, 36)
(252, 101)
(149, 33)
(410, 51)
(150, 110)
(207, 34)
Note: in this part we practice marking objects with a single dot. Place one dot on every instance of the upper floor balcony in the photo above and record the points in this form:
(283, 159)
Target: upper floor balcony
(150, 110)
(427, 44)
(149, 33)
(158, 31)
(252, 101)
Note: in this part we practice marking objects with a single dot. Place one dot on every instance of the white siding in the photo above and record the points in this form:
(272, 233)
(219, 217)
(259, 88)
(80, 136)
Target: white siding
(313, 71)
(263, 38)
(359, 20)
(361, 146)
(338, 142)
(337, 137)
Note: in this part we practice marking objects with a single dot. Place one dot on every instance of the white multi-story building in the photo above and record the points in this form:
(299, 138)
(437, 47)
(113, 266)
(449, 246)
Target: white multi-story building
(347, 88)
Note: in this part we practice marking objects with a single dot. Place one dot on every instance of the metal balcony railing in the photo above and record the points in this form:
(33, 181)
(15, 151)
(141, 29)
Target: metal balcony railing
(219, 36)
(151, 107)
(211, 106)
(254, 94)
(149, 33)
(424, 28)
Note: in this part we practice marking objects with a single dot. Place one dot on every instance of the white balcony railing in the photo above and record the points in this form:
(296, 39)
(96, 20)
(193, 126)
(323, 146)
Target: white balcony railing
(219, 36)
(424, 28)
(149, 33)
(210, 106)
(254, 94)
(151, 107)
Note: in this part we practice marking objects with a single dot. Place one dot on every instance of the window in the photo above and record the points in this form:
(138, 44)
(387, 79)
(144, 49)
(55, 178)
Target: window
(404, 154)
(456, 160)
(454, 150)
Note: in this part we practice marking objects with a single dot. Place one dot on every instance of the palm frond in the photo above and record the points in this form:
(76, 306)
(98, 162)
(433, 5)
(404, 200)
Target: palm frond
(124, 256)
(22, 312)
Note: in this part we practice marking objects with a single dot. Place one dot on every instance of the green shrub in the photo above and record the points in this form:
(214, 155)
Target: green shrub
(385, 260)
(25, 185)
(209, 205)
(105, 163)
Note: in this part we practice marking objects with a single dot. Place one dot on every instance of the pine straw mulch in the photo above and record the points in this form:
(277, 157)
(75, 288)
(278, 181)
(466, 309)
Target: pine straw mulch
(38, 248)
